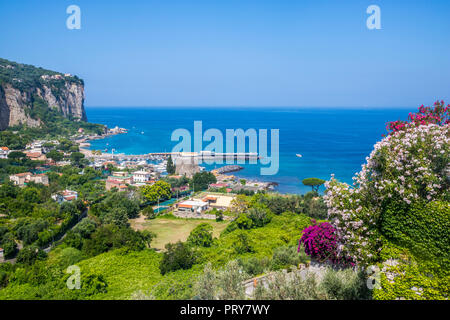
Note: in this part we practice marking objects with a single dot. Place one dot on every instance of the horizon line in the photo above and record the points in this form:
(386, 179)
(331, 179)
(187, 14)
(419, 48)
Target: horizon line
(252, 107)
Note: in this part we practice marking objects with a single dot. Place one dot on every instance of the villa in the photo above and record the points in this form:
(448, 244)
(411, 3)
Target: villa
(21, 179)
(141, 176)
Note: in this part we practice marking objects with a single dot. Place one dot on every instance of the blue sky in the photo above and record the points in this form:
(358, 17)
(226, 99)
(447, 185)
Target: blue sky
(238, 52)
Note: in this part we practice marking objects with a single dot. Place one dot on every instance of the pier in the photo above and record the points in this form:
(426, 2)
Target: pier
(199, 156)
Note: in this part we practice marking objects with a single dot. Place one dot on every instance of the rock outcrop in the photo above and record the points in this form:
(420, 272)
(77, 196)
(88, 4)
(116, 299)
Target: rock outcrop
(21, 85)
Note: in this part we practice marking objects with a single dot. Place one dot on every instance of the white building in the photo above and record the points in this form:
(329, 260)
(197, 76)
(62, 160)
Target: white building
(4, 151)
(141, 176)
(197, 206)
(66, 195)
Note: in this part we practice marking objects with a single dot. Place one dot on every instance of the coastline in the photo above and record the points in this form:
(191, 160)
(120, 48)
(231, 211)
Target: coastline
(85, 148)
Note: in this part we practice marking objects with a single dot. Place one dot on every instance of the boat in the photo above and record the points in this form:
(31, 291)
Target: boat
(142, 132)
(298, 155)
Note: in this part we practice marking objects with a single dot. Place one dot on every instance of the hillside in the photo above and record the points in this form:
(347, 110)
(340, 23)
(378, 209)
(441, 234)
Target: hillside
(27, 93)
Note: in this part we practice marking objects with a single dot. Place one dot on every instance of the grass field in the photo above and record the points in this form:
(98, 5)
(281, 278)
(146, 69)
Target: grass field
(171, 230)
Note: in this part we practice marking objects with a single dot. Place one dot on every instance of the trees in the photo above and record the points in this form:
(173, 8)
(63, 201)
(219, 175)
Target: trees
(242, 243)
(177, 256)
(160, 190)
(170, 167)
(108, 237)
(314, 183)
(149, 213)
(30, 254)
(202, 180)
(76, 158)
(224, 284)
(55, 155)
(201, 236)
(147, 236)
(260, 216)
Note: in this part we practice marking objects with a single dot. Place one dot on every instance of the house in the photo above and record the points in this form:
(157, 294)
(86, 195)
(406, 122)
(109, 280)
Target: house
(1, 253)
(39, 178)
(80, 130)
(21, 179)
(119, 180)
(141, 176)
(36, 156)
(66, 195)
(4, 151)
(197, 206)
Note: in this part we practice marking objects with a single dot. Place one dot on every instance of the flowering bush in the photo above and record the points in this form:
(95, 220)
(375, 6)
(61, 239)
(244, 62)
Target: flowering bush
(439, 114)
(408, 167)
(320, 242)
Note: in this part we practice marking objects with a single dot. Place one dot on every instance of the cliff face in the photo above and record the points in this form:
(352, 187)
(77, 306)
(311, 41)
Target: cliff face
(21, 85)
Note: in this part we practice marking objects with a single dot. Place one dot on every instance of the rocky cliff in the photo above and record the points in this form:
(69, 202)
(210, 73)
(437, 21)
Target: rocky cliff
(22, 85)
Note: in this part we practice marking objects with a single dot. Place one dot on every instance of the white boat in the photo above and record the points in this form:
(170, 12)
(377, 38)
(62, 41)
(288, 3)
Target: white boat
(298, 155)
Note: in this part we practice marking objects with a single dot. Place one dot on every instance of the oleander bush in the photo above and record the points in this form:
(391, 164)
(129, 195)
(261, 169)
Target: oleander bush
(400, 200)
(405, 170)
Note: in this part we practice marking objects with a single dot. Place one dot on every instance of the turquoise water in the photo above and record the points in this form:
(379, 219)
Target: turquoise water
(330, 140)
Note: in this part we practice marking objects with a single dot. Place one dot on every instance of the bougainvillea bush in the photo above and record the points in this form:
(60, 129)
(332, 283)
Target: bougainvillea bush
(400, 195)
(320, 242)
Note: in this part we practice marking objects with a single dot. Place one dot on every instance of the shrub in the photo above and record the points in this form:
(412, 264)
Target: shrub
(30, 254)
(345, 285)
(259, 216)
(287, 256)
(177, 256)
(244, 222)
(224, 284)
(254, 265)
(422, 227)
(149, 212)
(290, 286)
(201, 236)
(405, 169)
(320, 242)
(242, 243)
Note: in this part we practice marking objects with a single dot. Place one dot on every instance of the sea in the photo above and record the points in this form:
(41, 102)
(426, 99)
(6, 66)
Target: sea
(329, 140)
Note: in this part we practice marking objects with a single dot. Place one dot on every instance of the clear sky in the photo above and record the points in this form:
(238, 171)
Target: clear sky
(238, 52)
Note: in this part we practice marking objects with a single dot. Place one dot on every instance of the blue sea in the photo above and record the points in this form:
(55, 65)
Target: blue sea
(330, 140)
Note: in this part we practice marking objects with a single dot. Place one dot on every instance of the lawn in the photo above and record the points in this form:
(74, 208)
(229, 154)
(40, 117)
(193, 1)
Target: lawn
(171, 229)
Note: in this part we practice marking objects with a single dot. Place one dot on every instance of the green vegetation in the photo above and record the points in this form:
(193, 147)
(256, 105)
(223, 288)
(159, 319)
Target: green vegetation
(170, 167)
(201, 180)
(314, 183)
(159, 191)
(26, 77)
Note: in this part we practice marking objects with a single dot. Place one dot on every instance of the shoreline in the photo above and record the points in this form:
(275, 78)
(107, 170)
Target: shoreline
(89, 153)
